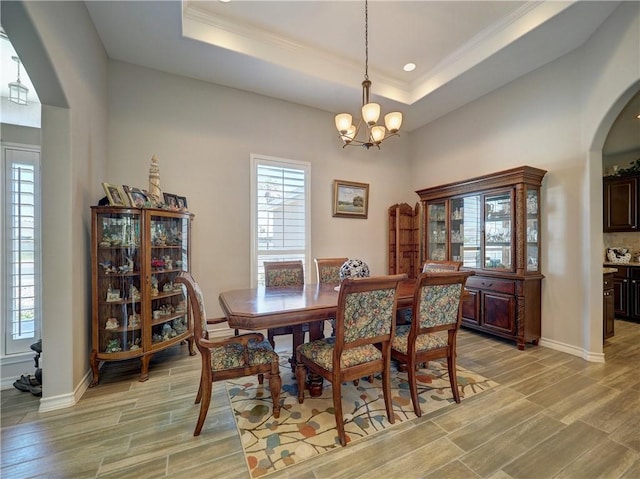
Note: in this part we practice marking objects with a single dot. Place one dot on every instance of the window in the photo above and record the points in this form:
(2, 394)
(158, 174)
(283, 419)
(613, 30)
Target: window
(279, 213)
(21, 249)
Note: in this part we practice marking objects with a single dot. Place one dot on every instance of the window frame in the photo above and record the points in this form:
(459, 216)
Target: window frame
(8, 345)
(258, 160)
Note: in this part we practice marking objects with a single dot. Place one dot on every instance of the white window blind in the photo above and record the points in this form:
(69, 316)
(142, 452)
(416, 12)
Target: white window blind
(21, 263)
(280, 218)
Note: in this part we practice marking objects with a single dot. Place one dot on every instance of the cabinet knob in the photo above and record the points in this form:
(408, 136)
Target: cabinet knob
(624, 281)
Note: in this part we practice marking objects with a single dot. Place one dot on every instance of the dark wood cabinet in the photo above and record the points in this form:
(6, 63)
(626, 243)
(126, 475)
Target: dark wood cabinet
(492, 225)
(620, 203)
(626, 292)
(608, 314)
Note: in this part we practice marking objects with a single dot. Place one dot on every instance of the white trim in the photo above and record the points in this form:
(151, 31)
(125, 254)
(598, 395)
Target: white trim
(573, 350)
(66, 400)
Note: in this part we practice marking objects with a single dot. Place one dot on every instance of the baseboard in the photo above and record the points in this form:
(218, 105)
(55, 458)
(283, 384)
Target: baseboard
(573, 350)
(66, 400)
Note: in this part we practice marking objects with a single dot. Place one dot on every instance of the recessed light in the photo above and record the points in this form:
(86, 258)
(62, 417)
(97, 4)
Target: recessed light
(409, 67)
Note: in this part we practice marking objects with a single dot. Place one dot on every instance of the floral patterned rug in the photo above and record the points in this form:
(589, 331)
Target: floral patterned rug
(307, 430)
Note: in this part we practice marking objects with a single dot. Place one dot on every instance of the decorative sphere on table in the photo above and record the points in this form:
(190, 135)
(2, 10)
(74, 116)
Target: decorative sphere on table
(354, 268)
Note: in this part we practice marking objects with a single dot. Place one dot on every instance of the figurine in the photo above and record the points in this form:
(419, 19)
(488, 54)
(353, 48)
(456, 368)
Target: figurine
(182, 306)
(168, 262)
(113, 294)
(108, 267)
(134, 320)
(154, 181)
(135, 345)
(167, 287)
(113, 346)
(154, 286)
(134, 294)
(112, 323)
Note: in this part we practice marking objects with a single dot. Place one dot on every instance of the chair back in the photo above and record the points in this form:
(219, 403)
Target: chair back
(328, 270)
(436, 266)
(366, 311)
(283, 273)
(437, 300)
(196, 300)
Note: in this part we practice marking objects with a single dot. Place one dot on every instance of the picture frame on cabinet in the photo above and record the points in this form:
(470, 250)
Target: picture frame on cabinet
(181, 202)
(115, 195)
(171, 201)
(137, 197)
(350, 199)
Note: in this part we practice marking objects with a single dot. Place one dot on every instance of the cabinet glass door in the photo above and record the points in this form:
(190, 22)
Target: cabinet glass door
(466, 231)
(533, 221)
(169, 246)
(498, 233)
(118, 282)
(437, 231)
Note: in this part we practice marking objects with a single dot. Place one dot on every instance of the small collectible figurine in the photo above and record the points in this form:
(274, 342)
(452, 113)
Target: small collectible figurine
(112, 323)
(134, 293)
(167, 287)
(134, 320)
(154, 286)
(113, 346)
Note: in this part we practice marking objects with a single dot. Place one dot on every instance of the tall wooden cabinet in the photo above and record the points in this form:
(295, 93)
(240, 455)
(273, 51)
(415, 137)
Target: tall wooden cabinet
(492, 224)
(404, 239)
(137, 309)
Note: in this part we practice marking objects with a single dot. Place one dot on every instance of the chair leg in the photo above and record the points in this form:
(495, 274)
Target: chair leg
(337, 409)
(199, 395)
(301, 377)
(204, 406)
(275, 385)
(413, 386)
(270, 338)
(260, 378)
(453, 378)
(386, 389)
(298, 339)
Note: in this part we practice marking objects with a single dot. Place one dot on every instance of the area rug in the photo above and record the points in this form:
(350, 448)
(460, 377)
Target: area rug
(307, 430)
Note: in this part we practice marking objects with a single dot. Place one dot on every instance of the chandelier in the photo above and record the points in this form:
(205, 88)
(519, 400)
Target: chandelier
(17, 91)
(368, 123)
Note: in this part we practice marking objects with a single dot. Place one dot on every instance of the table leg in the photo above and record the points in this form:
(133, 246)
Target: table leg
(314, 381)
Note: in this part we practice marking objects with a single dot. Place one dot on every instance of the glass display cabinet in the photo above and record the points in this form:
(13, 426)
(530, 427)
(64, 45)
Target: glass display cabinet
(491, 224)
(137, 309)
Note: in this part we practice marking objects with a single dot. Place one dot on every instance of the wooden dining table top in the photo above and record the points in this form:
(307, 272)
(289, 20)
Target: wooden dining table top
(263, 308)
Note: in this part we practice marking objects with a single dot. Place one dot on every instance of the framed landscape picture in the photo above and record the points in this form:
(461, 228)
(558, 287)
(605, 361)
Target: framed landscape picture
(350, 199)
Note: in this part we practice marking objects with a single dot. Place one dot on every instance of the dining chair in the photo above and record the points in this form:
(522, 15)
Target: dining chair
(279, 274)
(437, 306)
(365, 319)
(328, 269)
(434, 266)
(233, 357)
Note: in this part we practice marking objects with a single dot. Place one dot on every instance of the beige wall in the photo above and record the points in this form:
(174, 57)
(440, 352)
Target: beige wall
(548, 119)
(203, 134)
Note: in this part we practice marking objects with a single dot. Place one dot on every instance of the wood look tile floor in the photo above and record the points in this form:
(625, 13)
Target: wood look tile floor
(553, 416)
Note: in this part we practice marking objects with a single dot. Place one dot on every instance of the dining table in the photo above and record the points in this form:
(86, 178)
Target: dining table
(263, 308)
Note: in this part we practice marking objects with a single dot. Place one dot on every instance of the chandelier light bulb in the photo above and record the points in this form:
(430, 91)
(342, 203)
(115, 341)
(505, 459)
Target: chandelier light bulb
(343, 122)
(393, 121)
(377, 134)
(371, 113)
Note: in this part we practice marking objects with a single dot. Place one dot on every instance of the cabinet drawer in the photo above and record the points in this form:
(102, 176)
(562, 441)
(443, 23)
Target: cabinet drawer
(492, 284)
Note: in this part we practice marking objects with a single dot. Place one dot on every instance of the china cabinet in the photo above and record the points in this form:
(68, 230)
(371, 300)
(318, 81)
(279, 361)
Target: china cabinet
(137, 309)
(620, 203)
(492, 224)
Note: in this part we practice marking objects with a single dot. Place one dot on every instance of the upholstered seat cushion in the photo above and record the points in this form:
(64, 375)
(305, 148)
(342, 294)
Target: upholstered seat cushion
(424, 342)
(231, 356)
(321, 352)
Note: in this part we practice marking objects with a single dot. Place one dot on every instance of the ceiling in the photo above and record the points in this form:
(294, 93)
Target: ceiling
(312, 52)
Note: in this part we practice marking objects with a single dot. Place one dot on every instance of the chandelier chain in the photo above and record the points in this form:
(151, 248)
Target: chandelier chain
(366, 40)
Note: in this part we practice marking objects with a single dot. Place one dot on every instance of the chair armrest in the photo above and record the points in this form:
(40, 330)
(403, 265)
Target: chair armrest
(216, 320)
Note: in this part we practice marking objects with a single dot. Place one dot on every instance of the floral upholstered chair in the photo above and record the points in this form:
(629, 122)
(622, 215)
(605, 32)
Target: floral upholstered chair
(328, 270)
(281, 274)
(434, 266)
(365, 318)
(234, 357)
(437, 306)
